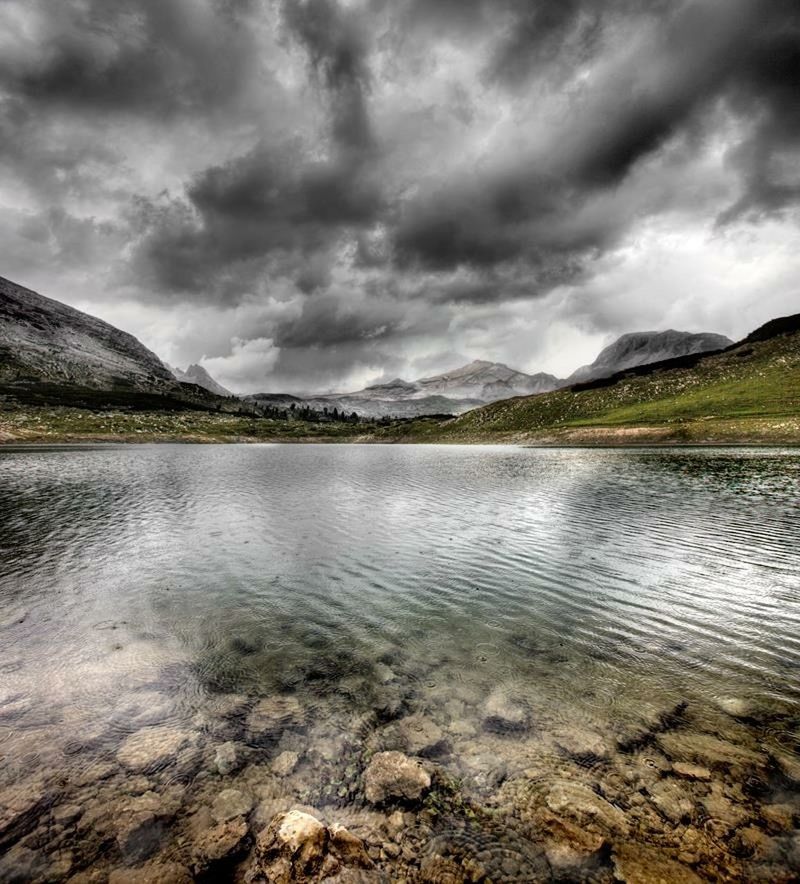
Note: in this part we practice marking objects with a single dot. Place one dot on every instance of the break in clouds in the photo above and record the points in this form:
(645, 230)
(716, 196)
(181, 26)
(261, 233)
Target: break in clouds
(317, 194)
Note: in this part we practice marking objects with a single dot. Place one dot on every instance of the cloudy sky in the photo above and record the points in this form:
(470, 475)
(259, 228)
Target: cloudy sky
(318, 194)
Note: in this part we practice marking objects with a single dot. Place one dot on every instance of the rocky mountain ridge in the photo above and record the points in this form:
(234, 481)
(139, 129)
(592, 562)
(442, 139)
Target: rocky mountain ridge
(644, 348)
(196, 374)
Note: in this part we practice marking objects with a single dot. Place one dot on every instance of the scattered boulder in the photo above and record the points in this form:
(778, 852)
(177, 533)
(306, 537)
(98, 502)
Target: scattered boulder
(272, 716)
(504, 713)
(152, 749)
(392, 775)
(229, 804)
(348, 848)
(66, 814)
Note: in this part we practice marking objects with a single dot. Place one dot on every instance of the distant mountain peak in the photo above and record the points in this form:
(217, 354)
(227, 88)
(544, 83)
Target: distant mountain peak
(196, 374)
(645, 347)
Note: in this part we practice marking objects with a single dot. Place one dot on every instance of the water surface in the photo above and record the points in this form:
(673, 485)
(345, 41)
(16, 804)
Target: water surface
(623, 602)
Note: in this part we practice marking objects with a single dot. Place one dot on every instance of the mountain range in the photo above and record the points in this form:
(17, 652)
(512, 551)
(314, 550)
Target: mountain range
(52, 353)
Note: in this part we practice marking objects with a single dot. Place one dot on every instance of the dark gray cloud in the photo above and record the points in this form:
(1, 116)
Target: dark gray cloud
(151, 56)
(354, 187)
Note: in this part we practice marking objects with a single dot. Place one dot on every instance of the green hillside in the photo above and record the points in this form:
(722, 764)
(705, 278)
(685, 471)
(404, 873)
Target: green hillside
(747, 393)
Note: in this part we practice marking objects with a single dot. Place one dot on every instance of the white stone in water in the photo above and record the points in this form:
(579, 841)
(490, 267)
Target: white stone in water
(230, 803)
(394, 775)
(735, 706)
(285, 763)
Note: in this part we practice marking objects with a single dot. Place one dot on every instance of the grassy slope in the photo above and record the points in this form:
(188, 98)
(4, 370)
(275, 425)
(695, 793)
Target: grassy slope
(750, 393)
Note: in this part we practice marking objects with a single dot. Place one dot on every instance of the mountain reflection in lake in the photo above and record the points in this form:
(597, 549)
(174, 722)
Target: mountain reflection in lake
(589, 661)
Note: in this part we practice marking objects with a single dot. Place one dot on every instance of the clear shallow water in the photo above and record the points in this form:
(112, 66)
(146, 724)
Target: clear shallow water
(618, 598)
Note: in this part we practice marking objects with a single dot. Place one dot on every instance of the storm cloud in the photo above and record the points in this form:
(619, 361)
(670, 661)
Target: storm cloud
(324, 193)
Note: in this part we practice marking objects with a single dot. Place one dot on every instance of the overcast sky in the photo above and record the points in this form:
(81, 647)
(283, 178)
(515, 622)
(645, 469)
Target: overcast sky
(318, 194)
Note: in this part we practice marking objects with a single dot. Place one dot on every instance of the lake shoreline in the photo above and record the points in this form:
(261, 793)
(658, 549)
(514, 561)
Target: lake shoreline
(67, 425)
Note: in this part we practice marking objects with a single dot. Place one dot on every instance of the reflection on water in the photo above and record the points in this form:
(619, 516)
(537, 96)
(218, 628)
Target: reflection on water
(593, 657)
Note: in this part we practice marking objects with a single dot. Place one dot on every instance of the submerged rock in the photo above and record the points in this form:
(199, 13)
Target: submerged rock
(152, 749)
(219, 845)
(230, 803)
(139, 835)
(271, 717)
(392, 775)
(296, 846)
(285, 763)
(688, 771)
(710, 751)
(671, 800)
(574, 800)
(416, 735)
(504, 713)
(227, 759)
(637, 864)
(20, 808)
(736, 707)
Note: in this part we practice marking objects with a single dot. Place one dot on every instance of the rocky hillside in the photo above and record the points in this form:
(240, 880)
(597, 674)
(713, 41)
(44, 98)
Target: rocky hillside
(53, 354)
(748, 392)
(644, 348)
